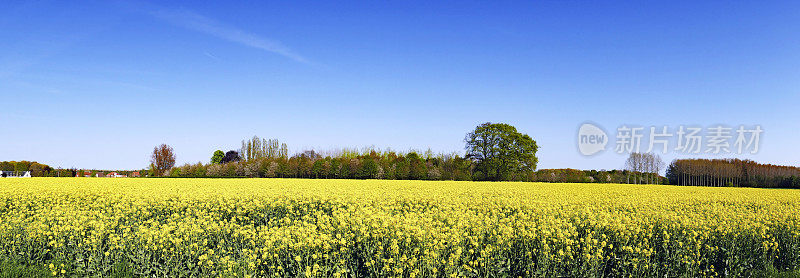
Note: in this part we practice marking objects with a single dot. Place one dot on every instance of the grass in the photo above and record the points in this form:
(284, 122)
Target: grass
(774, 273)
(11, 269)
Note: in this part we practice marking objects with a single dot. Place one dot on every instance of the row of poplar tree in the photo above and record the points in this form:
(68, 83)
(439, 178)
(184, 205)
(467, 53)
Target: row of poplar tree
(732, 172)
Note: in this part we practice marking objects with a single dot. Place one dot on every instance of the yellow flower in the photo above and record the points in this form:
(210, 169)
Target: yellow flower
(406, 228)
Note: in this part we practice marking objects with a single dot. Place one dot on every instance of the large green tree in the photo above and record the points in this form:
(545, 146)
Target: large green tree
(501, 152)
(217, 157)
(7, 166)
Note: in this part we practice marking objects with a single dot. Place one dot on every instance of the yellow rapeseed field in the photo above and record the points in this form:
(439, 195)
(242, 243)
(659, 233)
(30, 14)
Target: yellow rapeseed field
(354, 228)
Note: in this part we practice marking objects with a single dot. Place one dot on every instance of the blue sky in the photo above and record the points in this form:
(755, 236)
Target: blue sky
(99, 84)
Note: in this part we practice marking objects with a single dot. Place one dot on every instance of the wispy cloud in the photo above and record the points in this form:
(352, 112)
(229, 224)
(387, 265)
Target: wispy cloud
(197, 22)
(209, 55)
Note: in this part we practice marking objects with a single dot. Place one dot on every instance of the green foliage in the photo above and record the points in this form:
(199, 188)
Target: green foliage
(7, 166)
(333, 171)
(501, 152)
(369, 169)
(12, 269)
(402, 169)
(175, 172)
(318, 168)
(346, 164)
(346, 169)
(22, 166)
(199, 170)
(37, 169)
(151, 170)
(772, 272)
(217, 157)
(15, 269)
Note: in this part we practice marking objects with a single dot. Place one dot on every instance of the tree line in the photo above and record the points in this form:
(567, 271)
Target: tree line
(643, 168)
(732, 172)
(37, 169)
(370, 163)
(494, 152)
(597, 176)
(44, 170)
(640, 168)
(256, 159)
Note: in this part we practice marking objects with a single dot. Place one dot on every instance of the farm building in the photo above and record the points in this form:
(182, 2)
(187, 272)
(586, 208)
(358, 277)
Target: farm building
(15, 174)
(115, 175)
(100, 174)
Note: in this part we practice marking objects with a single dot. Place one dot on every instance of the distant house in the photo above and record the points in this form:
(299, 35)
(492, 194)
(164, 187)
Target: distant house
(15, 174)
(135, 174)
(99, 174)
(116, 175)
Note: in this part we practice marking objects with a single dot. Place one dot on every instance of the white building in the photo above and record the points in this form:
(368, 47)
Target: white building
(15, 174)
(116, 175)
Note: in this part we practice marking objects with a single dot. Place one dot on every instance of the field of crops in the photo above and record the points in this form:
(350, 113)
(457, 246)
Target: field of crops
(349, 228)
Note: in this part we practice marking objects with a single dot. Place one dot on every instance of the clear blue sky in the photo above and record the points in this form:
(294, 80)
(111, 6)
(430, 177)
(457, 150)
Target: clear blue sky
(99, 84)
